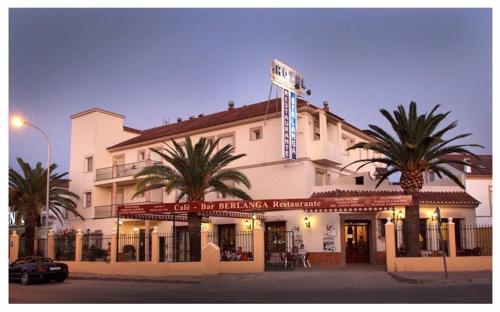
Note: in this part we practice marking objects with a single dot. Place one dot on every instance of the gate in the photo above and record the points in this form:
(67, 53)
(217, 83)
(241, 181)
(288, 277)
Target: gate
(279, 249)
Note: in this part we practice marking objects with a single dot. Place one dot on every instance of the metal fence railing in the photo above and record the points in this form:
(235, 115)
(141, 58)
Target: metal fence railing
(96, 247)
(174, 250)
(129, 246)
(242, 250)
(64, 247)
(474, 240)
(124, 170)
(429, 239)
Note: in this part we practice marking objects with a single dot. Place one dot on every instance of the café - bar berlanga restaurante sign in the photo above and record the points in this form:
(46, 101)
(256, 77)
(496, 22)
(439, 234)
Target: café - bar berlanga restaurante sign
(340, 203)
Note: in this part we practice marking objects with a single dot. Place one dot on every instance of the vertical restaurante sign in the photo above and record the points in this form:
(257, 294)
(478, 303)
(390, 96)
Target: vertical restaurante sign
(292, 83)
(289, 124)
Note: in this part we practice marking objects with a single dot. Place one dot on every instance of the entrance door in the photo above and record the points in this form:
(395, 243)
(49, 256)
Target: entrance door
(357, 240)
(278, 247)
(181, 244)
(227, 237)
(142, 244)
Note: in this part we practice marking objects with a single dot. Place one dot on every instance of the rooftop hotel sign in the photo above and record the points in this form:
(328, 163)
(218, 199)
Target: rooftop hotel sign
(288, 78)
(340, 203)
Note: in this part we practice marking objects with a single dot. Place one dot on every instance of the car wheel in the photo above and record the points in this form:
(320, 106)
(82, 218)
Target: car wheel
(25, 278)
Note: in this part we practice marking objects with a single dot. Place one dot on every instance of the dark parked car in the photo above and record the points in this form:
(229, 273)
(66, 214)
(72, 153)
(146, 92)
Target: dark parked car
(29, 269)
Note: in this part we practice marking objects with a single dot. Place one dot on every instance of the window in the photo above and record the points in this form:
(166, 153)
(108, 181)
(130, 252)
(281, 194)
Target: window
(490, 192)
(317, 133)
(328, 179)
(467, 168)
(154, 156)
(231, 184)
(87, 199)
(141, 155)
(432, 177)
(381, 225)
(183, 199)
(210, 138)
(255, 133)
(346, 143)
(88, 164)
(359, 180)
(320, 177)
(226, 139)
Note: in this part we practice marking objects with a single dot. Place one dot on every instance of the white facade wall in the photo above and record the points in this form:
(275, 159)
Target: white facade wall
(481, 189)
(270, 175)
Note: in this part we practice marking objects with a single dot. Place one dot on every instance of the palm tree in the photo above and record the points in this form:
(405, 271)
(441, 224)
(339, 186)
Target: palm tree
(194, 172)
(418, 147)
(27, 194)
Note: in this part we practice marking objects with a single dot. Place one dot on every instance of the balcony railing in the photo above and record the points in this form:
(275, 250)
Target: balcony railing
(126, 170)
(109, 211)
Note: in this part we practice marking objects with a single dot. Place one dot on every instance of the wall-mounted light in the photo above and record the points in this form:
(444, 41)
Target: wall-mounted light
(307, 222)
(436, 215)
(136, 229)
(248, 224)
(400, 215)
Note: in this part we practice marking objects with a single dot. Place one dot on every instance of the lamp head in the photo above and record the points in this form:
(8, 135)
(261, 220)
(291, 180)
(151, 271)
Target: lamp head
(248, 224)
(307, 222)
(17, 122)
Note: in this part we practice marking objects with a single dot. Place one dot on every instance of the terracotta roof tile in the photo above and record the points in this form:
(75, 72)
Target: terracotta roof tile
(226, 116)
(461, 198)
(230, 115)
(485, 161)
(130, 129)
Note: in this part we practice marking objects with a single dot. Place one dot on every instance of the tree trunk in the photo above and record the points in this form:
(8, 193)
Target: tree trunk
(194, 226)
(412, 229)
(29, 234)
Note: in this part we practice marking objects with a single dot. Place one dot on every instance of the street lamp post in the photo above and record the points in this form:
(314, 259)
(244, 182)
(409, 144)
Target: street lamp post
(18, 122)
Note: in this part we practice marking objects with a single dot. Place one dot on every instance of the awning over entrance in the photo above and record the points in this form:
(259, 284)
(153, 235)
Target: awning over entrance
(182, 217)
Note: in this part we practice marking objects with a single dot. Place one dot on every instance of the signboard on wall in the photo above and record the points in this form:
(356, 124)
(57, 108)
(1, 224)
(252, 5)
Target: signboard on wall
(329, 238)
(365, 203)
(289, 124)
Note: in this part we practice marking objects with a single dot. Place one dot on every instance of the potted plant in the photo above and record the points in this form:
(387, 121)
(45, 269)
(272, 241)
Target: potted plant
(129, 252)
(98, 254)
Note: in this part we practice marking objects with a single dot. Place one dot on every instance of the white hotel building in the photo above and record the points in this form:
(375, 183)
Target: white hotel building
(105, 154)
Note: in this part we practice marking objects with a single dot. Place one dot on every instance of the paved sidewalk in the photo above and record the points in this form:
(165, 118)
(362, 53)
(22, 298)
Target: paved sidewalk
(439, 277)
(124, 278)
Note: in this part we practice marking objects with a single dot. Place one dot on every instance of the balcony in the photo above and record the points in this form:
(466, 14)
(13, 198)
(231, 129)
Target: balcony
(120, 171)
(326, 153)
(109, 211)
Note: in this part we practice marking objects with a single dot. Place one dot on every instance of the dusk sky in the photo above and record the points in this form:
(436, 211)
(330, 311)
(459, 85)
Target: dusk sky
(155, 64)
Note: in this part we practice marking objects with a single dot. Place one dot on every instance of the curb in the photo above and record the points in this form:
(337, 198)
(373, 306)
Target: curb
(131, 279)
(438, 280)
